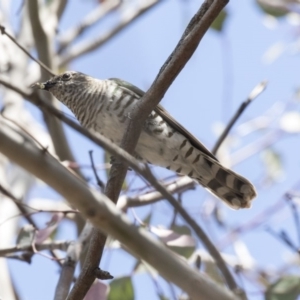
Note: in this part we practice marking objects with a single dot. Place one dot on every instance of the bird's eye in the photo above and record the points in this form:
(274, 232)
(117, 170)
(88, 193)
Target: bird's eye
(66, 76)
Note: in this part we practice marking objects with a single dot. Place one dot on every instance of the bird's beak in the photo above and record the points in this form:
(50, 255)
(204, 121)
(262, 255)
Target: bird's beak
(44, 85)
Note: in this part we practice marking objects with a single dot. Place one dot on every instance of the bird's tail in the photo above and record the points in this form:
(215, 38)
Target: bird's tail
(233, 189)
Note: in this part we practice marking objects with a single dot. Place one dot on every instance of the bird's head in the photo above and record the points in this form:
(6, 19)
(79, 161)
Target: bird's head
(65, 84)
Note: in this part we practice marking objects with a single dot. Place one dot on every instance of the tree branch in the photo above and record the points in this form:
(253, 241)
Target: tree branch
(91, 19)
(127, 18)
(52, 245)
(103, 214)
(97, 236)
(3, 31)
(178, 186)
(254, 93)
(174, 64)
(46, 54)
(68, 268)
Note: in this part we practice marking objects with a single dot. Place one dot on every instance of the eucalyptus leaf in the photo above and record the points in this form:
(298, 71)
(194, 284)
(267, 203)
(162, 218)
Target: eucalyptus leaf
(218, 23)
(121, 288)
(285, 288)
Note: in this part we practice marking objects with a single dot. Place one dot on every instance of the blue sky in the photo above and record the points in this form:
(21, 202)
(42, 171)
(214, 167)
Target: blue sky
(207, 92)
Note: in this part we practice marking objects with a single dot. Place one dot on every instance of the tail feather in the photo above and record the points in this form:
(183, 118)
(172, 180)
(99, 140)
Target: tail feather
(232, 188)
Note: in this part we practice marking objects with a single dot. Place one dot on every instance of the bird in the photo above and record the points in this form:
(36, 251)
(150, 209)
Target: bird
(104, 106)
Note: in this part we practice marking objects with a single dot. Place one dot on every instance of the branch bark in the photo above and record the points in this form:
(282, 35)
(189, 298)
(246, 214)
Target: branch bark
(178, 186)
(68, 268)
(174, 64)
(98, 239)
(127, 18)
(52, 245)
(103, 214)
(45, 52)
(89, 20)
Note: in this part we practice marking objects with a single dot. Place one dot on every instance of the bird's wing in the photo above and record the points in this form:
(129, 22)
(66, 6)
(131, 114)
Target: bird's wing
(167, 117)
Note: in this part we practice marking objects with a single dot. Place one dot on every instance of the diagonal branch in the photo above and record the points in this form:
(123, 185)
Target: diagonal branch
(92, 18)
(98, 237)
(52, 245)
(178, 186)
(3, 31)
(45, 53)
(103, 214)
(127, 18)
(74, 251)
(255, 93)
(174, 64)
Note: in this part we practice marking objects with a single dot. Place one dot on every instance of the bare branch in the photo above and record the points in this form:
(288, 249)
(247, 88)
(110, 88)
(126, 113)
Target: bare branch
(103, 214)
(19, 204)
(257, 146)
(3, 31)
(42, 40)
(254, 93)
(91, 19)
(289, 198)
(48, 245)
(59, 6)
(100, 183)
(175, 63)
(127, 18)
(68, 268)
(178, 186)
(145, 172)
(43, 43)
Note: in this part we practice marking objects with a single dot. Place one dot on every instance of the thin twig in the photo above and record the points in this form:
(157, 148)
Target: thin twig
(45, 149)
(74, 251)
(99, 181)
(257, 146)
(175, 212)
(284, 238)
(89, 20)
(19, 204)
(184, 50)
(3, 31)
(143, 170)
(257, 221)
(174, 64)
(44, 47)
(255, 93)
(102, 214)
(295, 213)
(51, 245)
(180, 185)
(127, 17)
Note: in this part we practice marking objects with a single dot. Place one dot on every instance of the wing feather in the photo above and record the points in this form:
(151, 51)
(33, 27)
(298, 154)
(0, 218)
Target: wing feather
(167, 117)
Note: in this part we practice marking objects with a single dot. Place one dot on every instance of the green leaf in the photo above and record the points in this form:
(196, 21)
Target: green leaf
(107, 156)
(285, 288)
(185, 250)
(181, 229)
(147, 219)
(273, 163)
(121, 288)
(273, 8)
(218, 23)
(26, 235)
(213, 272)
(143, 267)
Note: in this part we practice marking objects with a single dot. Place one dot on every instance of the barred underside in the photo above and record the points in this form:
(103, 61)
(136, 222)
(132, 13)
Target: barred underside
(232, 188)
(235, 190)
(104, 106)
